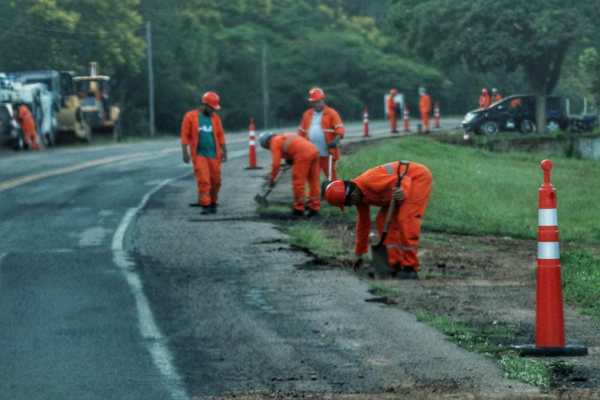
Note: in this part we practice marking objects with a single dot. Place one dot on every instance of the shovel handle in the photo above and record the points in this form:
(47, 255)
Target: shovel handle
(388, 218)
(330, 167)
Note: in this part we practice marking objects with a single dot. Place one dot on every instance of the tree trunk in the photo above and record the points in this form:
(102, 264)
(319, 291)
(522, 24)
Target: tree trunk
(540, 111)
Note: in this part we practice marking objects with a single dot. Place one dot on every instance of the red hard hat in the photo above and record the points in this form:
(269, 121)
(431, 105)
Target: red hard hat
(212, 99)
(335, 193)
(316, 94)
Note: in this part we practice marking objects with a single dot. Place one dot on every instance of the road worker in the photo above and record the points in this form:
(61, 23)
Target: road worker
(304, 157)
(484, 100)
(323, 126)
(425, 108)
(496, 96)
(203, 142)
(378, 187)
(392, 112)
(25, 119)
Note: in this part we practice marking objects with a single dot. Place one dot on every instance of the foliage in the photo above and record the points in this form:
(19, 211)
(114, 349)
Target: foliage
(316, 240)
(581, 274)
(527, 370)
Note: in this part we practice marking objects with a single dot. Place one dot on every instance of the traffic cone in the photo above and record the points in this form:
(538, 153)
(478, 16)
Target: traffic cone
(406, 119)
(549, 317)
(252, 146)
(366, 122)
(436, 115)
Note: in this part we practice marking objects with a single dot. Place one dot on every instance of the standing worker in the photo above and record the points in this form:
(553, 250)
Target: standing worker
(203, 141)
(304, 157)
(425, 108)
(25, 119)
(484, 100)
(323, 126)
(392, 112)
(496, 96)
(379, 187)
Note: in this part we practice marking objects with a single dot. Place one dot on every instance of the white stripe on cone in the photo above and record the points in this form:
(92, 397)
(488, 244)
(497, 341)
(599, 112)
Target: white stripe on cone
(252, 142)
(547, 217)
(548, 251)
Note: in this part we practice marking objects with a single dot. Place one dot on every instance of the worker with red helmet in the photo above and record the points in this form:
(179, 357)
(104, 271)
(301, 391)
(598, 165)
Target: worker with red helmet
(391, 110)
(424, 108)
(496, 96)
(484, 100)
(203, 142)
(323, 126)
(25, 119)
(379, 187)
(304, 157)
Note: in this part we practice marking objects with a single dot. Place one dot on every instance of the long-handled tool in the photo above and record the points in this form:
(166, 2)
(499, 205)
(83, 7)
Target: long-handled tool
(329, 178)
(261, 199)
(378, 250)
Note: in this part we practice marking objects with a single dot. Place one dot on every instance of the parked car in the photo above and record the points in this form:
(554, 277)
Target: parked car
(516, 113)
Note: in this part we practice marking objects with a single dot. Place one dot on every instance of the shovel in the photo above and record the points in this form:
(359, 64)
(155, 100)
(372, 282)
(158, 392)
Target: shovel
(261, 199)
(328, 181)
(378, 251)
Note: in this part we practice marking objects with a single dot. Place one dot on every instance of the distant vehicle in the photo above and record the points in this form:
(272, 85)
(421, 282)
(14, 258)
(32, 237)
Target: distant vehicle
(97, 107)
(66, 104)
(516, 113)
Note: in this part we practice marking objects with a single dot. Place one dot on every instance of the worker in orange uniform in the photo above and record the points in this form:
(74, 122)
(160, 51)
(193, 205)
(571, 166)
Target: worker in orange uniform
(323, 126)
(203, 141)
(304, 157)
(484, 100)
(379, 187)
(496, 96)
(25, 119)
(391, 111)
(425, 108)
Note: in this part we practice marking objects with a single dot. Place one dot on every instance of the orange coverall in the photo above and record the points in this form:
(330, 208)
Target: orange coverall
(333, 128)
(305, 167)
(27, 123)
(392, 116)
(425, 108)
(484, 101)
(207, 170)
(377, 185)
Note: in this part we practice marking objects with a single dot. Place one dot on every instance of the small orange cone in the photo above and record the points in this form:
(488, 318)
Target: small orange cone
(366, 122)
(406, 119)
(252, 143)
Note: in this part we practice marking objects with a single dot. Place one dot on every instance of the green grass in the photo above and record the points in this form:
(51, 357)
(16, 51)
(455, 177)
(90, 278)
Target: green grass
(534, 372)
(477, 192)
(316, 240)
(581, 274)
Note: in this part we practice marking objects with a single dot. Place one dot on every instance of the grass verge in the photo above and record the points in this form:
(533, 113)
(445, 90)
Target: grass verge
(581, 275)
(316, 240)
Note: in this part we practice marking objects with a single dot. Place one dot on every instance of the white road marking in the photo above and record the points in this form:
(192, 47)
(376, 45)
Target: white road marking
(154, 340)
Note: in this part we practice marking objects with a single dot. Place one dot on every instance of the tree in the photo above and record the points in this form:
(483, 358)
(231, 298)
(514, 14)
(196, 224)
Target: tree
(533, 36)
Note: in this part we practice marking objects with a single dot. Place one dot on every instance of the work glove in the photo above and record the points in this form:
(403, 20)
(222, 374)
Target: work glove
(358, 263)
(186, 158)
(334, 143)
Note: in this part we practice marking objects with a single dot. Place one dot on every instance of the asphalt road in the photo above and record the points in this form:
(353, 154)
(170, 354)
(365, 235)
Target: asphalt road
(111, 287)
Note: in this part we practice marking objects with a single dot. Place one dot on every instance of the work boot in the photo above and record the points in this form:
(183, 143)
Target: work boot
(312, 213)
(207, 210)
(407, 273)
(195, 205)
(213, 208)
(297, 213)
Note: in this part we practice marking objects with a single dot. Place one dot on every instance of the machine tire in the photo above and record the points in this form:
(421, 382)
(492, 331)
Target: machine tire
(490, 128)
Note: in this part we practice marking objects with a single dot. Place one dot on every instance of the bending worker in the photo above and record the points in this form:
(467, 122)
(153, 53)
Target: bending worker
(304, 157)
(203, 141)
(323, 126)
(425, 108)
(391, 111)
(378, 187)
(25, 119)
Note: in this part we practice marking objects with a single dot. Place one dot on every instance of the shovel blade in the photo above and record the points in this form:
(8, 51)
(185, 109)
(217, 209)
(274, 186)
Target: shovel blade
(379, 261)
(261, 200)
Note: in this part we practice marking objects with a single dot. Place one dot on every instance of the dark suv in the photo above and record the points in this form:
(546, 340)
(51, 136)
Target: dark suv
(516, 113)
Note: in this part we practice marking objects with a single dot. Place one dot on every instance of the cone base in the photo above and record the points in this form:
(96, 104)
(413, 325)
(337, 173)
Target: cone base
(253, 167)
(567, 351)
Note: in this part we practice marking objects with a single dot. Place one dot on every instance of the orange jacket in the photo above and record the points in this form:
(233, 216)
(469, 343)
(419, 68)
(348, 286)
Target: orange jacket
(291, 147)
(485, 101)
(391, 105)
(190, 132)
(25, 119)
(377, 185)
(425, 104)
(332, 125)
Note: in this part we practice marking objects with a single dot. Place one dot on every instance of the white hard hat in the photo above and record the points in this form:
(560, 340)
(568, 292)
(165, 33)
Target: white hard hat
(264, 139)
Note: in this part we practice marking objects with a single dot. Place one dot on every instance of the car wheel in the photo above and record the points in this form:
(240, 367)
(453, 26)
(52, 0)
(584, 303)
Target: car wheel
(527, 126)
(489, 128)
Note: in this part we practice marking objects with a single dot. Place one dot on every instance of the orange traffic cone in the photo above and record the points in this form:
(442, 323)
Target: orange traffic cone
(549, 317)
(252, 146)
(406, 119)
(436, 115)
